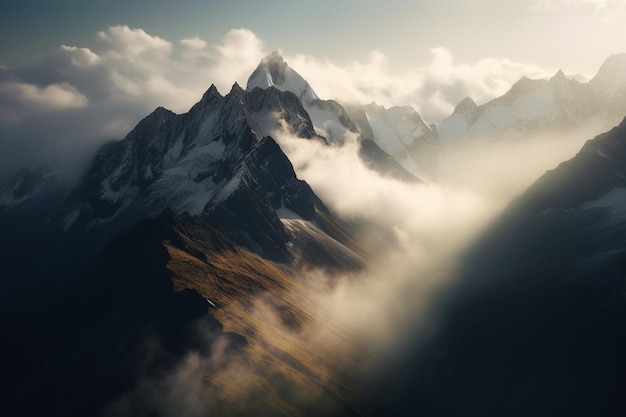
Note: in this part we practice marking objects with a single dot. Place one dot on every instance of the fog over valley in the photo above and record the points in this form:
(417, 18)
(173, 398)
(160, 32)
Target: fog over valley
(211, 225)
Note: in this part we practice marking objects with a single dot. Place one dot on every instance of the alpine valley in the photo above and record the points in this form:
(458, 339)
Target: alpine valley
(193, 271)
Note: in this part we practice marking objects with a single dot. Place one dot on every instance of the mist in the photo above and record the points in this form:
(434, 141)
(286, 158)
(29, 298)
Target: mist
(501, 170)
(415, 235)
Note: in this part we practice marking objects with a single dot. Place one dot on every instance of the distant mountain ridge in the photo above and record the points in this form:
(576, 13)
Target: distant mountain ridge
(399, 132)
(531, 107)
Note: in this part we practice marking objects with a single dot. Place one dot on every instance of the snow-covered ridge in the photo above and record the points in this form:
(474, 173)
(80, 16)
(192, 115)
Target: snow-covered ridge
(401, 133)
(185, 162)
(328, 117)
(559, 104)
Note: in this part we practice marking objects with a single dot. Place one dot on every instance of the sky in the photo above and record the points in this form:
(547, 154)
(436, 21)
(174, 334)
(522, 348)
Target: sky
(73, 74)
(575, 34)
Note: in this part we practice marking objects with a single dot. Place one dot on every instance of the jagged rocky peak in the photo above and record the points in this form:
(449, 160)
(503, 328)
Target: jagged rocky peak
(611, 77)
(210, 95)
(465, 107)
(274, 71)
(154, 120)
(523, 86)
(215, 160)
(236, 88)
(559, 76)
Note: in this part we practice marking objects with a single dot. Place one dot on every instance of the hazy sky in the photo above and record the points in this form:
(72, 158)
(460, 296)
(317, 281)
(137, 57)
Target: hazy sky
(574, 34)
(73, 73)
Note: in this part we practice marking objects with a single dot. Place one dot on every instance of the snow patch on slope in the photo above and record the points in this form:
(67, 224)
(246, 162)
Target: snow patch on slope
(327, 124)
(398, 131)
(614, 200)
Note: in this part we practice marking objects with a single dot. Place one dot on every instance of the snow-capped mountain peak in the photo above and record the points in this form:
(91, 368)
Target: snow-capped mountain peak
(273, 71)
(333, 122)
(540, 106)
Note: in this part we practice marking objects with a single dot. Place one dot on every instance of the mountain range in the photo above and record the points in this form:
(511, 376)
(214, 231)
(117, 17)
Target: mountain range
(560, 104)
(136, 291)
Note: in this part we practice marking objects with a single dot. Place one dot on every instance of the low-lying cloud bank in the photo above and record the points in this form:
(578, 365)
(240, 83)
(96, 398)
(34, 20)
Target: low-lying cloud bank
(426, 228)
(423, 228)
(75, 98)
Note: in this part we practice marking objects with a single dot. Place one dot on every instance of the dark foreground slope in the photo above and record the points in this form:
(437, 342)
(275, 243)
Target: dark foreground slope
(169, 282)
(177, 319)
(536, 325)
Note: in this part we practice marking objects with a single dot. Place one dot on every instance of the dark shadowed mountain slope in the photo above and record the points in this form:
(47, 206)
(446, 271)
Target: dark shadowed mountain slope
(176, 295)
(535, 325)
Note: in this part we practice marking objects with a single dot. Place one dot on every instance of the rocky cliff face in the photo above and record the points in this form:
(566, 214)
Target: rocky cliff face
(214, 160)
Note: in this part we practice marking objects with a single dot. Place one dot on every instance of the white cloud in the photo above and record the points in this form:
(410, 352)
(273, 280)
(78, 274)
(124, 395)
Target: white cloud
(237, 57)
(82, 96)
(80, 57)
(431, 225)
(127, 42)
(433, 89)
(20, 96)
(194, 43)
(130, 66)
(598, 5)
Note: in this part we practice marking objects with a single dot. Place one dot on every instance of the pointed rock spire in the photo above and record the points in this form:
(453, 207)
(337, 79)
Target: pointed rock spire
(611, 77)
(211, 92)
(558, 76)
(273, 71)
(236, 88)
(465, 106)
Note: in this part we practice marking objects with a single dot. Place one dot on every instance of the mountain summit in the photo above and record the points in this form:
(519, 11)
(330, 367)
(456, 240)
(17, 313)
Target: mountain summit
(273, 71)
(611, 77)
(384, 150)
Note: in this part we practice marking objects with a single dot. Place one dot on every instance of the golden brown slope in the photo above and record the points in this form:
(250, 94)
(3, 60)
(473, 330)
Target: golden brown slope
(291, 364)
